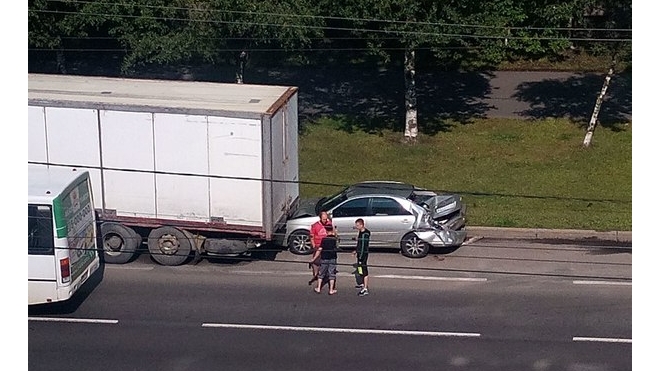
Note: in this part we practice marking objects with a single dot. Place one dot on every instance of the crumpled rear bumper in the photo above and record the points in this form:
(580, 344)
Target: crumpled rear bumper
(443, 237)
(450, 234)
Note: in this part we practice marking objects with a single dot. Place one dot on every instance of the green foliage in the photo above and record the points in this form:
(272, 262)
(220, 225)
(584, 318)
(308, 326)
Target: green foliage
(49, 22)
(511, 173)
(458, 34)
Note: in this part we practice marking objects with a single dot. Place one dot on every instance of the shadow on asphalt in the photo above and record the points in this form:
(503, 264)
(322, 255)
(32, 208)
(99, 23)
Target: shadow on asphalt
(610, 251)
(609, 245)
(270, 253)
(71, 305)
(574, 98)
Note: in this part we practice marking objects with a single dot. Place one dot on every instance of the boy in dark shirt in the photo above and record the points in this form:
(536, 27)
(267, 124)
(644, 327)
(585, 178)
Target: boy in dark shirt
(328, 255)
(362, 254)
(319, 230)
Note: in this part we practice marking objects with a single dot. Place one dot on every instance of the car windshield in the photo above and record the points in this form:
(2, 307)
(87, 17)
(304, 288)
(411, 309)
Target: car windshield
(421, 197)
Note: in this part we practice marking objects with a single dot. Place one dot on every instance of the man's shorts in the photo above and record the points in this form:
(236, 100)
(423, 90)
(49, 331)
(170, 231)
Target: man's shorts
(328, 269)
(361, 268)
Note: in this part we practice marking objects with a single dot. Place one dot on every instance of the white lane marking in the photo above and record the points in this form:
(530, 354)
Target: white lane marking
(611, 283)
(602, 340)
(390, 276)
(341, 330)
(431, 278)
(75, 320)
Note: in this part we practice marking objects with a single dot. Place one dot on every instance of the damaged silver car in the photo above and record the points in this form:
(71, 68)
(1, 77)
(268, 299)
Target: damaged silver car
(398, 215)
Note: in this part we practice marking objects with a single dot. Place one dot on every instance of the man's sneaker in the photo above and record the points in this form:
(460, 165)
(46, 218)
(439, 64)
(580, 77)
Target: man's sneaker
(360, 286)
(363, 292)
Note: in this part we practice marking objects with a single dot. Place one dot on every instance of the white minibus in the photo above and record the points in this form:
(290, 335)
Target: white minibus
(62, 232)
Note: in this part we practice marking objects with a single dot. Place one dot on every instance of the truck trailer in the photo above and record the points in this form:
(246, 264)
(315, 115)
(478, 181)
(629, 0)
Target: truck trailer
(195, 168)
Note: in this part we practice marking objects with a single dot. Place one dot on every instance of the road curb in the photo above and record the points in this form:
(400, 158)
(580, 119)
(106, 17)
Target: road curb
(542, 233)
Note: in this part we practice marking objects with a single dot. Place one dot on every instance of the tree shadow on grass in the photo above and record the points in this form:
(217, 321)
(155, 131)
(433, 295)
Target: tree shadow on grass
(575, 97)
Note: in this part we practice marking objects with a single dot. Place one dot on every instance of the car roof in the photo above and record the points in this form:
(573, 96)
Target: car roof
(381, 187)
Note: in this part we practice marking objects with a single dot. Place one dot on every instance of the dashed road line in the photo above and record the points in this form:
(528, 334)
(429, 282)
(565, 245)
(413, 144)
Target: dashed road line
(326, 329)
(610, 283)
(341, 330)
(74, 320)
(602, 340)
(431, 278)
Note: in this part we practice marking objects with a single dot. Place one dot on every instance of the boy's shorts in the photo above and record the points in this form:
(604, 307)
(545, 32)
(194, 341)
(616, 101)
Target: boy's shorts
(361, 265)
(328, 269)
(362, 269)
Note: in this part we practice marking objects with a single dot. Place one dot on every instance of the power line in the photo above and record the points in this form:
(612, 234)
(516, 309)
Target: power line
(354, 19)
(366, 30)
(255, 50)
(338, 185)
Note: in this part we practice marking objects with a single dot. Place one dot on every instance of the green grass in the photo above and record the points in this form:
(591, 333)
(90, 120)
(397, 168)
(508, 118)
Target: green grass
(573, 62)
(512, 173)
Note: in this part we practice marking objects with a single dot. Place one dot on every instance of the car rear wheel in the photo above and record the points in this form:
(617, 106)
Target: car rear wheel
(299, 243)
(414, 247)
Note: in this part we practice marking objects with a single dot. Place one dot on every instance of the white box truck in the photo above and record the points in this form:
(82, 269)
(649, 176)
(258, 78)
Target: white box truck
(196, 168)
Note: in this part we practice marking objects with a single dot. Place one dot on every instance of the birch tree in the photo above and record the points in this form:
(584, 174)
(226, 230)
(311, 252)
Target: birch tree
(594, 116)
(392, 29)
(410, 131)
(396, 30)
(613, 22)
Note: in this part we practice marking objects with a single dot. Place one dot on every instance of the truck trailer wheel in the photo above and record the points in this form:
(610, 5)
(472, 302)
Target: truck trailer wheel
(299, 243)
(119, 243)
(169, 245)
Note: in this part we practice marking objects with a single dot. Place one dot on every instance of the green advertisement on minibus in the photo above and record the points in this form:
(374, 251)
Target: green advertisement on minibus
(74, 220)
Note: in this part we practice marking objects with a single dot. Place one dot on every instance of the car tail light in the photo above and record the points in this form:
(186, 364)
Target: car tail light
(65, 268)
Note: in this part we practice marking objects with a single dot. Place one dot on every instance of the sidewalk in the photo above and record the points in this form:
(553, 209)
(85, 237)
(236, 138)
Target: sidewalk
(540, 233)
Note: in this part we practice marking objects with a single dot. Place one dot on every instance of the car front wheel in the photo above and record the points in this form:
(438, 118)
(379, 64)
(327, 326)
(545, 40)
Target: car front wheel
(414, 247)
(299, 243)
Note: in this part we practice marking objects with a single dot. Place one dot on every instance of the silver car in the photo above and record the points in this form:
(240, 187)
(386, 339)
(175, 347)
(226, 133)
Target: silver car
(398, 215)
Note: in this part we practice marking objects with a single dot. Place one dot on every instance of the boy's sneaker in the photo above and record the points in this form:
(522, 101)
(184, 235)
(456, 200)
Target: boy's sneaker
(363, 292)
(360, 286)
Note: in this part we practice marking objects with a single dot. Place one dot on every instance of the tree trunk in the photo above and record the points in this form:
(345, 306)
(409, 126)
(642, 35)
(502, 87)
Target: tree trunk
(60, 61)
(410, 133)
(242, 59)
(594, 116)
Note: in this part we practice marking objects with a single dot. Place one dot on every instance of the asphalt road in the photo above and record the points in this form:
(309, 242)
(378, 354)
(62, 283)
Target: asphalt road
(490, 305)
